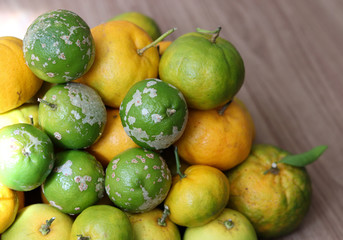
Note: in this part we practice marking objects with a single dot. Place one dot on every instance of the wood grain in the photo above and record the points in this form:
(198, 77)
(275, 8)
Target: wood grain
(293, 88)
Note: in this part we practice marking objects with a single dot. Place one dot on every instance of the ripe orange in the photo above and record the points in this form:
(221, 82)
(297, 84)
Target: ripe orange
(275, 201)
(118, 65)
(113, 141)
(215, 139)
(18, 84)
(198, 197)
(9, 204)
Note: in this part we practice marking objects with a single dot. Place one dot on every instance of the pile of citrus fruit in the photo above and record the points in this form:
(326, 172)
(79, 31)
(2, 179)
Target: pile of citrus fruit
(116, 133)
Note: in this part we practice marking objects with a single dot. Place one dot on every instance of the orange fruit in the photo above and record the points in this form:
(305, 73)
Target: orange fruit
(154, 114)
(198, 197)
(162, 46)
(21, 198)
(145, 22)
(39, 221)
(18, 83)
(275, 200)
(215, 139)
(113, 141)
(207, 69)
(9, 204)
(118, 65)
(58, 46)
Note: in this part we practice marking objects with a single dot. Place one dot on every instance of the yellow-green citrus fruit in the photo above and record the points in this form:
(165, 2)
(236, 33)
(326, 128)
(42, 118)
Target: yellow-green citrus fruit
(137, 180)
(274, 201)
(58, 46)
(26, 113)
(208, 72)
(229, 225)
(73, 115)
(26, 156)
(76, 182)
(141, 20)
(30, 222)
(101, 222)
(154, 114)
(149, 225)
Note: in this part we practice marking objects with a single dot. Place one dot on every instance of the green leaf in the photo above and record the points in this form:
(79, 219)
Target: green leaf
(303, 159)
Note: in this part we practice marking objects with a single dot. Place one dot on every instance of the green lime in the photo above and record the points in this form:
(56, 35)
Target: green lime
(141, 20)
(206, 68)
(101, 222)
(229, 225)
(26, 156)
(154, 114)
(58, 46)
(76, 182)
(72, 114)
(137, 180)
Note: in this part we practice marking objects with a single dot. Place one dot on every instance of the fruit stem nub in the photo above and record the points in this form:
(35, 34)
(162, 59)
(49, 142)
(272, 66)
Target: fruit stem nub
(45, 228)
(154, 43)
(229, 224)
(274, 169)
(80, 237)
(178, 165)
(162, 220)
(215, 33)
(53, 106)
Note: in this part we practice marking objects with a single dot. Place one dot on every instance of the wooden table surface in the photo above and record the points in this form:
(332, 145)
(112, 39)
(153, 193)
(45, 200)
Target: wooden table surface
(294, 83)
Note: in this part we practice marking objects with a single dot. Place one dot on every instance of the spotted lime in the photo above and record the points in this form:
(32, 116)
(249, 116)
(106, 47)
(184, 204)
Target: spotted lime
(26, 156)
(137, 180)
(72, 114)
(76, 182)
(58, 46)
(154, 114)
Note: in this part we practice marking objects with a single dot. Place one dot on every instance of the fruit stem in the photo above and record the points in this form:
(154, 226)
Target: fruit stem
(178, 165)
(80, 237)
(154, 43)
(45, 228)
(229, 224)
(53, 106)
(215, 33)
(31, 120)
(274, 169)
(223, 108)
(162, 221)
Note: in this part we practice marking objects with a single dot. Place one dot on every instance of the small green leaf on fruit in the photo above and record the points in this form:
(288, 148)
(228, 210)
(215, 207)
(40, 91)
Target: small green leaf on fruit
(303, 159)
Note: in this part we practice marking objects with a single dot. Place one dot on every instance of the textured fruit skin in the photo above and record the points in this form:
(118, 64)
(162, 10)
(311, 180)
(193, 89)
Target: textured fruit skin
(146, 226)
(102, 222)
(20, 114)
(208, 74)
(199, 197)
(58, 46)
(78, 118)
(18, 83)
(117, 65)
(137, 180)
(76, 182)
(218, 140)
(275, 204)
(30, 219)
(154, 114)
(26, 156)
(241, 229)
(9, 204)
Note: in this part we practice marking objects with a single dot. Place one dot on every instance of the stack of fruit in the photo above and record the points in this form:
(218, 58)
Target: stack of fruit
(130, 136)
